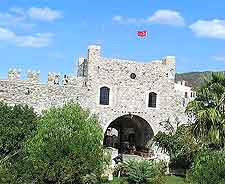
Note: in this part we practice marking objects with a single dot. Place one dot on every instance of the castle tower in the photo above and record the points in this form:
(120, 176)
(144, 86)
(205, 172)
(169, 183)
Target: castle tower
(94, 53)
(93, 58)
(170, 62)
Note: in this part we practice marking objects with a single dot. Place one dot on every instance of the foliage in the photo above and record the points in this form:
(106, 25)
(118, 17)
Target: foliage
(181, 146)
(66, 148)
(89, 179)
(208, 111)
(145, 172)
(17, 124)
(208, 168)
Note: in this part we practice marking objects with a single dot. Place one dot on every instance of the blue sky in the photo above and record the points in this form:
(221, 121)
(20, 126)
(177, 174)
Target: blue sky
(50, 35)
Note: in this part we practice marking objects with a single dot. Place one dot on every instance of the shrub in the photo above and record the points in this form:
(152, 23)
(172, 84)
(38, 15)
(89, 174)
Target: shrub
(66, 148)
(145, 172)
(89, 179)
(208, 168)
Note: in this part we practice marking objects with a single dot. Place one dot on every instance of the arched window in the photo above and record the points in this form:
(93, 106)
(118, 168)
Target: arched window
(152, 100)
(104, 95)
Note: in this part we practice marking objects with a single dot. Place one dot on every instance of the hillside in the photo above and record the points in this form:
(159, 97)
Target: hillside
(193, 79)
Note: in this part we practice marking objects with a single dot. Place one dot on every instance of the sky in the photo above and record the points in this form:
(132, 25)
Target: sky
(50, 36)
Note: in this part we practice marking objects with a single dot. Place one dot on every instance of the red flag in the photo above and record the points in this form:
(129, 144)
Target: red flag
(142, 33)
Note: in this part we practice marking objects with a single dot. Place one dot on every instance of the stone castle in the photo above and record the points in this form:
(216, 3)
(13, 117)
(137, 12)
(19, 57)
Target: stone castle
(136, 100)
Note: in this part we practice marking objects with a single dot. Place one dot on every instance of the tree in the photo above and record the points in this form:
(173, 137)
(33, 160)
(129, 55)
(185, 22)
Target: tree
(17, 124)
(181, 146)
(208, 111)
(66, 148)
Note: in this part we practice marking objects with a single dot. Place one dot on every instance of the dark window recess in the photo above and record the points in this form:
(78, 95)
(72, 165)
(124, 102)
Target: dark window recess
(152, 100)
(27, 92)
(104, 95)
(186, 95)
(133, 76)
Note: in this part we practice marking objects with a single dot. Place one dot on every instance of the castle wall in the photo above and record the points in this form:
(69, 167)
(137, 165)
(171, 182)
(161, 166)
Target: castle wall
(127, 95)
(131, 95)
(40, 96)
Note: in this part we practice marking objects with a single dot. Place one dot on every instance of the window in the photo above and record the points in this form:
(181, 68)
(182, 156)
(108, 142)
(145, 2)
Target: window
(133, 76)
(104, 95)
(186, 95)
(152, 100)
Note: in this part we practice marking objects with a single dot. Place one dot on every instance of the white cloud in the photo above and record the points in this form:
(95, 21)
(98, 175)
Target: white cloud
(6, 35)
(15, 20)
(44, 14)
(18, 17)
(210, 29)
(219, 57)
(168, 17)
(35, 41)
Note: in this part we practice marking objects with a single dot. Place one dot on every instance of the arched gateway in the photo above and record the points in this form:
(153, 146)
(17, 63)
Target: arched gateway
(130, 134)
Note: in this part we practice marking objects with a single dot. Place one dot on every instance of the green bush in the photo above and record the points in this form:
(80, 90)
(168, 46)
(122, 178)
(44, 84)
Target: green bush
(208, 168)
(89, 179)
(66, 148)
(145, 172)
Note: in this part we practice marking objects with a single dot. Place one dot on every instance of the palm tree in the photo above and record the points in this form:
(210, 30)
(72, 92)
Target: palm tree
(208, 111)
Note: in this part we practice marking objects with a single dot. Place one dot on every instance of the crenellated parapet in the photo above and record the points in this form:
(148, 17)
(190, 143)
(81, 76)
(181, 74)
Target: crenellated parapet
(53, 78)
(14, 74)
(33, 76)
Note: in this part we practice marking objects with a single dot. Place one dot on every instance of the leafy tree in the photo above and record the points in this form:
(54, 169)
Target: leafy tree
(66, 148)
(181, 146)
(17, 124)
(208, 111)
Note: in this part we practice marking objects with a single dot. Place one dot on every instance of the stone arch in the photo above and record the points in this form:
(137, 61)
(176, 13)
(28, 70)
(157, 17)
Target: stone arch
(133, 132)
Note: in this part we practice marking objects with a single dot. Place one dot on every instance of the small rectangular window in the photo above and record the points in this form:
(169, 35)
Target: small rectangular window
(152, 100)
(104, 96)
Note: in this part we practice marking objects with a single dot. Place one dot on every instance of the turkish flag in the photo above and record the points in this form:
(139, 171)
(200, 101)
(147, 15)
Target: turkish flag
(142, 33)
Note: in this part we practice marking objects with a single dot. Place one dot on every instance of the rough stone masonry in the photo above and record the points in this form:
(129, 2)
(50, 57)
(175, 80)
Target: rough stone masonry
(129, 85)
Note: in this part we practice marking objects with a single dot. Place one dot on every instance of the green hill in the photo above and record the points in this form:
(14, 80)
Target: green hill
(193, 79)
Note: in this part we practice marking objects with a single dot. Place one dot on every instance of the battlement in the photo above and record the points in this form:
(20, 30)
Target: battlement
(33, 76)
(87, 66)
(14, 74)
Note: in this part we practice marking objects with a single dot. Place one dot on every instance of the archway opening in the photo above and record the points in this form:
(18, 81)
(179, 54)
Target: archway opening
(130, 134)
